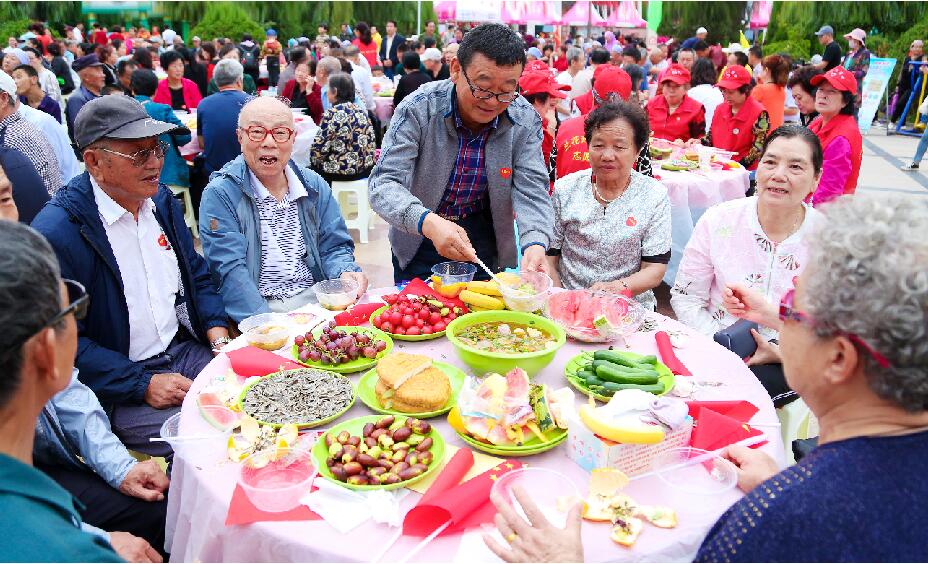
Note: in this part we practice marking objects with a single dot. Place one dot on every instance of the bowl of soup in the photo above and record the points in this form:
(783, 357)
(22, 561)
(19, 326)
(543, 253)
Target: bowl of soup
(498, 341)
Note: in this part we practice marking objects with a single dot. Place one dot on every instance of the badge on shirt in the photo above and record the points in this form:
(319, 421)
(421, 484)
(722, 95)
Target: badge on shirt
(505, 172)
(631, 221)
(164, 243)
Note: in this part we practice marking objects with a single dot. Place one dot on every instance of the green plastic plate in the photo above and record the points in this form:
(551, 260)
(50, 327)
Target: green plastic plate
(355, 427)
(368, 395)
(407, 337)
(355, 365)
(532, 446)
(309, 425)
(665, 376)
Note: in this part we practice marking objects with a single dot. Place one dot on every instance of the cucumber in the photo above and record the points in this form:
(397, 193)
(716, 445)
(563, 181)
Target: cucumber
(586, 374)
(613, 373)
(614, 357)
(650, 359)
(653, 388)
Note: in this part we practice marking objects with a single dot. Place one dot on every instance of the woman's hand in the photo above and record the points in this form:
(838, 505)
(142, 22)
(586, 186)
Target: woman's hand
(767, 352)
(615, 287)
(358, 277)
(745, 303)
(536, 540)
(754, 467)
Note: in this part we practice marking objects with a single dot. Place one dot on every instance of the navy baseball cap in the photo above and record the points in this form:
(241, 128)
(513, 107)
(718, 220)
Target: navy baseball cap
(86, 61)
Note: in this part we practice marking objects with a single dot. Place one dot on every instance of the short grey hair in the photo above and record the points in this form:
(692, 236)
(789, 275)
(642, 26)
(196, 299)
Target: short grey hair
(574, 53)
(329, 65)
(867, 276)
(352, 51)
(227, 72)
(29, 297)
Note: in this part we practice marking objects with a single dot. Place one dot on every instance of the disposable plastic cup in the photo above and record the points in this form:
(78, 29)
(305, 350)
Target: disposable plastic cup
(205, 439)
(552, 492)
(453, 272)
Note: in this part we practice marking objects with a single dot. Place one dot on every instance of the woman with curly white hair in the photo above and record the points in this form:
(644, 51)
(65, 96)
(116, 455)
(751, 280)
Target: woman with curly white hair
(854, 341)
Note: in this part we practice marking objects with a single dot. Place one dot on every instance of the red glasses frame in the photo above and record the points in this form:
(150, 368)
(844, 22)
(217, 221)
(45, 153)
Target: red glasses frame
(790, 313)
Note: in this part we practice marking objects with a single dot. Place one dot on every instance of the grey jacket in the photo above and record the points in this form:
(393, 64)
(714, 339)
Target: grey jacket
(417, 158)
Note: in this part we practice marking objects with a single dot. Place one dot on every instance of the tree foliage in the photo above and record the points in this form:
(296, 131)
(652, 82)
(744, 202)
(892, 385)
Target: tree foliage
(224, 19)
(723, 20)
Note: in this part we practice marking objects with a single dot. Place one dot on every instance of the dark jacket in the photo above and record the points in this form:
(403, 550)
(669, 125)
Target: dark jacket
(409, 84)
(72, 225)
(397, 39)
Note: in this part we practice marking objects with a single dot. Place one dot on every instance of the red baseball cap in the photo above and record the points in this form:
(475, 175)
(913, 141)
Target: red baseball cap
(675, 73)
(838, 77)
(536, 65)
(735, 76)
(538, 81)
(610, 78)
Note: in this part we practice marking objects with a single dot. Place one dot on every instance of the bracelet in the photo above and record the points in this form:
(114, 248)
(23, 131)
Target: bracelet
(219, 343)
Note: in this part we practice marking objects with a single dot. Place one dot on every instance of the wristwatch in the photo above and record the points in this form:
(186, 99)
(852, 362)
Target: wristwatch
(217, 344)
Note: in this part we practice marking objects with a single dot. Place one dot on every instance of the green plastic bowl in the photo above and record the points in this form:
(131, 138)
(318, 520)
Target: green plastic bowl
(482, 362)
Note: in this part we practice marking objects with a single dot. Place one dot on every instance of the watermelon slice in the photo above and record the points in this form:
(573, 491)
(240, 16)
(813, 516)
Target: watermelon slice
(215, 412)
(594, 317)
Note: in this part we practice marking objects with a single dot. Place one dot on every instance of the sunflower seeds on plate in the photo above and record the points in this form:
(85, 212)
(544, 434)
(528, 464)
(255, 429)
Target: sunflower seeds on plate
(301, 396)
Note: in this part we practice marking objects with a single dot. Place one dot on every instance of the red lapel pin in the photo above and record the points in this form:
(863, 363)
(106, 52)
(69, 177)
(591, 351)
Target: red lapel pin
(505, 172)
(631, 221)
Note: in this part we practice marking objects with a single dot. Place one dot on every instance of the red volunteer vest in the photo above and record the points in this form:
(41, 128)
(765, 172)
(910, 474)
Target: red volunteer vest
(573, 154)
(736, 132)
(842, 126)
(674, 126)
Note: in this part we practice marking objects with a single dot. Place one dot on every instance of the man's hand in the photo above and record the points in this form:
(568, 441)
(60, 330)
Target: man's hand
(358, 277)
(388, 62)
(166, 390)
(767, 352)
(450, 239)
(133, 549)
(536, 540)
(534, 259)
(146, 480)
(754, 467)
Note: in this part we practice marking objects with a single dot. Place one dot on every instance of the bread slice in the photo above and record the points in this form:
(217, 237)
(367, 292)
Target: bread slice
(428, 390)
(395, 369)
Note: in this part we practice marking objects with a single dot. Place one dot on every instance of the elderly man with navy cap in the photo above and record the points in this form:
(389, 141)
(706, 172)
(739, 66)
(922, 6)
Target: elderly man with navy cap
(90, 71)
(155, 315)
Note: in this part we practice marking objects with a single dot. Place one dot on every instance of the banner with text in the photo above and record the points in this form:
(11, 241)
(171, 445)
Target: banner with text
(875, 83)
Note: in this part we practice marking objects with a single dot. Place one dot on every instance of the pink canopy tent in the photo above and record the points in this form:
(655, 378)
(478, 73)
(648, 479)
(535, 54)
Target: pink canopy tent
(531, 11)
(760, 14)
(625, 14)
(580, 15)
(445, 10)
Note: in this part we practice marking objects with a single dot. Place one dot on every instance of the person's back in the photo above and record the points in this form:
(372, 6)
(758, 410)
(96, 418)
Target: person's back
(773, 98)
(410, 82)
(853, 500)
(217, 122)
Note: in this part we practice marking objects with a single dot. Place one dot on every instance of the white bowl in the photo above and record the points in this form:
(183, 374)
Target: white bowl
(337, 294)
(268, 331)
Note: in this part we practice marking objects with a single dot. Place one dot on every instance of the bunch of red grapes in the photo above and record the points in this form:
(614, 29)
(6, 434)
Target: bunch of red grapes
(334, 347)
(415, 315)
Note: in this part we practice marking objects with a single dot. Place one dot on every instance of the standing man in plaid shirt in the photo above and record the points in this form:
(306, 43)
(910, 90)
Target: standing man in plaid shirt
(462, 157)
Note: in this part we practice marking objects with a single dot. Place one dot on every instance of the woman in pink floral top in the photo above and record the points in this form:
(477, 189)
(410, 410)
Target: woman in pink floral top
(758, 242)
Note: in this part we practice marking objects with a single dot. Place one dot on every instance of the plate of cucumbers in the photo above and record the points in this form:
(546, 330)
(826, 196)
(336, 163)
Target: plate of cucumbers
(603, 372)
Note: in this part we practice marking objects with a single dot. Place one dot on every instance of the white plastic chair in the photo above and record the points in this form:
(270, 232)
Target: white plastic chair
(362, 216)
(796, 422)
(189, 215)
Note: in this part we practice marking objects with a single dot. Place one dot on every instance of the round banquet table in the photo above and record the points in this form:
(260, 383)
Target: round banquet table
(202, 486)
(384, 108)
(691, 194)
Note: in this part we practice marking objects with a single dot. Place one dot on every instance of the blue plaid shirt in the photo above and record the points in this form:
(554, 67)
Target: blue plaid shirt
(466, 193)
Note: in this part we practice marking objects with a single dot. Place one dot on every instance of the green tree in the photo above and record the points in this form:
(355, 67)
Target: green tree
(227, 19)
(723, 20)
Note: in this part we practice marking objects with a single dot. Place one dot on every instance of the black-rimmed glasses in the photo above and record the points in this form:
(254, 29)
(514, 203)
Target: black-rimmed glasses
(484, 94)
(78, 302)
(139, 158)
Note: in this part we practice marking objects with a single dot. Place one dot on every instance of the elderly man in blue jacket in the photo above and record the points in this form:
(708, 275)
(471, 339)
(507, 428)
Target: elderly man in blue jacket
(155, 315)
(270, 228)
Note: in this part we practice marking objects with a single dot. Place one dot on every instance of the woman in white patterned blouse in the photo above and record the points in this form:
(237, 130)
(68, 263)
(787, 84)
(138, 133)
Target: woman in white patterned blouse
(612, 224)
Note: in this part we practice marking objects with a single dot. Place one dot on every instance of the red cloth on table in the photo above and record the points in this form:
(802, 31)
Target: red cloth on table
(243, 512)
(252, 361)
(714, 430)
(668, 357)
(417, 287)
(738, 409)
(358, 315)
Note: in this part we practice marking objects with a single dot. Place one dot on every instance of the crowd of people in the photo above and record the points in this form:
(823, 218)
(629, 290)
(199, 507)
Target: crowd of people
(110, 311)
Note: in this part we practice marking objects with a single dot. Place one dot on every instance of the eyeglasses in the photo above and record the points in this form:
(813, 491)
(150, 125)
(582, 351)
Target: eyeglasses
(483, 94)
(78, 302)
(789, 313)
(612, 97)
(258, 134)
(139, 158)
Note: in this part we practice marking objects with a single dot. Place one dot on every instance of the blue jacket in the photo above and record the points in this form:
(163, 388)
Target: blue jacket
(73, 431)
(72, 224)
(231, 233)
(175, 171)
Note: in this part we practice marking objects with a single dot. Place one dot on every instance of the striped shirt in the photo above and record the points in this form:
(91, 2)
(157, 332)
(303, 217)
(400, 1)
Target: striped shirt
(466, 193)
(284, 272)
(18, 133)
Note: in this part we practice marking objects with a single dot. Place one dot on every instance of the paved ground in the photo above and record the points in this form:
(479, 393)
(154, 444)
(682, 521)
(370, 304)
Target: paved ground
(883, 155)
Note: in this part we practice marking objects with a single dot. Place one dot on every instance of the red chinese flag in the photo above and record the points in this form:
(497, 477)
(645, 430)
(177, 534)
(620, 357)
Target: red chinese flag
(714, 430)
(252, 361)
(741, 410)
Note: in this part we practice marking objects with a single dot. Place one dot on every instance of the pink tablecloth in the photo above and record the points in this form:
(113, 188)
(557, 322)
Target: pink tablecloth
(692, 193)
(201, 485)
(384, 108)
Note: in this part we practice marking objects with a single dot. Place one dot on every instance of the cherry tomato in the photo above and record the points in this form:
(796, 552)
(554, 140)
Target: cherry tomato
(390, 298)
(451, 316)
(420, 323)
(423, 314)
(412, 331)
(408, 321)
(399, 331)
(427, 330)
(386, 327)
(408, 311)
(375, 322)
(439, 327)
(396, 318)
(434, 317)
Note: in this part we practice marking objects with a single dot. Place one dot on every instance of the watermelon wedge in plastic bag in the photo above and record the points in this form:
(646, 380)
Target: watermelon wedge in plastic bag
(595, 317)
